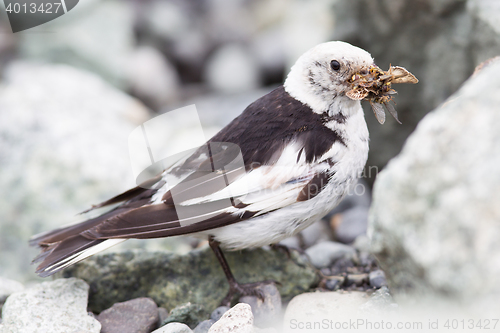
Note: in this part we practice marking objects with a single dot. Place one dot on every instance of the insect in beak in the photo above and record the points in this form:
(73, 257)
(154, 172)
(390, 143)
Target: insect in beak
(375, 86)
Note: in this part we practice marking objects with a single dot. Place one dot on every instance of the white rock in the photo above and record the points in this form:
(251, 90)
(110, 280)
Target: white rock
(325, 253)
(435, 219)
(316, 307)
(232, 69)
(58, 306)
(174, 328)
(239, 319)
(96, 35)
(152, 77)
(63, 146)
(8, 287)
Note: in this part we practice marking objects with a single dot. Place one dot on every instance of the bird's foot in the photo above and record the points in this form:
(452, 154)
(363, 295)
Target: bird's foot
(247, 289)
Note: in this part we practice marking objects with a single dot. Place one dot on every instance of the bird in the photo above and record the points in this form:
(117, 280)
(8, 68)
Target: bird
(301, 147)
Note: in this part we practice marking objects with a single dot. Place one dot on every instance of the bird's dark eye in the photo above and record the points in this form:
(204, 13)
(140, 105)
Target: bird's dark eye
(335, 65)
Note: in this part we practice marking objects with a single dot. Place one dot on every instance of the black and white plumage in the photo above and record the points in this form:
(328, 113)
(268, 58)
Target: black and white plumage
(303, 145)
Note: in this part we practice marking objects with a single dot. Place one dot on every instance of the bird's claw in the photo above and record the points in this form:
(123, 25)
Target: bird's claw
(247, 289)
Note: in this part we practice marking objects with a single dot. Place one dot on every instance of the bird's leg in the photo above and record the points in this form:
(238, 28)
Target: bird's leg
(235, 288)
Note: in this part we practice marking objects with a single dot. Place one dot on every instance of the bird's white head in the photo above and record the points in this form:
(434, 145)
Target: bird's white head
(320, 77)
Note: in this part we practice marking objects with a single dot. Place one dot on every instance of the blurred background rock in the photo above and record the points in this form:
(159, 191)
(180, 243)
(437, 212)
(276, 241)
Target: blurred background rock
(66, 110)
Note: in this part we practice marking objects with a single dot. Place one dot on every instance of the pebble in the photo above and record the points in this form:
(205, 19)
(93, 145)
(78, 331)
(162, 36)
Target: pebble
(265, 312)
(217, 313)
(189, 314)
(334, 283)
(238, 319)
(137, 315)
(173, 328)
(325, 253)
(204, 326)
(356, 279)
(350, 224)
(317, 232)
(377, 279)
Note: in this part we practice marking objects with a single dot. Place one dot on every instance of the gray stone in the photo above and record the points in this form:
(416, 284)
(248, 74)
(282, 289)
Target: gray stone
(238, 319)
(232, 69)
(217, 313)
(61, 129)
(325, 253)
(8, 287)
(435, 218)
(351, 224)
(377, 279)
(98, 36)
(174, 328)
(380, 303)
(162, 315)
(334, 283)
(315, 307)
(317, 232)
(439, 41)
(172, 280)
(58, 306)
(138, 315)
(189, 314)
(204, 326)
(266, 312)
(152, 78)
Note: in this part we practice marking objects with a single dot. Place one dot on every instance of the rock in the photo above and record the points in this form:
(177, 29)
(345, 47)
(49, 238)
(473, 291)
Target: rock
(217, 313)
(358, 195)
(58, 306)
(316, 307)
(356, 279)
(232, 69)
(7, 288)
(162, 315)
(61, 129)
(172, 280)
(316, 233)
(204, 326)
(291, 242)
(334, 283)
(97, 36)
(362, 244)
(267, 312)
(453, 36)
(152, 78)
(377, 279)
(189, 314)
(350, 224)
(379, 304)
(325, 253)
(138, 315)
(174, 328)
(435, 218)
(239, 319)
